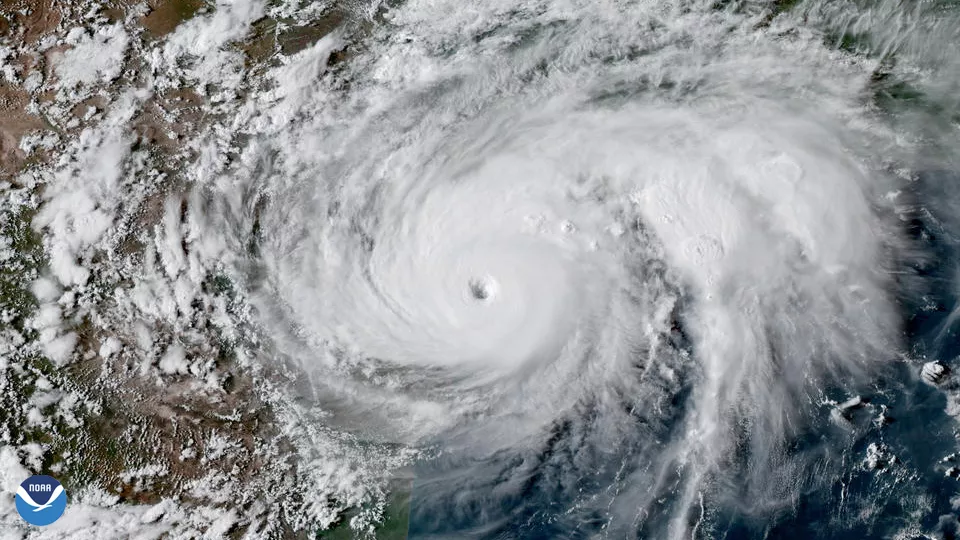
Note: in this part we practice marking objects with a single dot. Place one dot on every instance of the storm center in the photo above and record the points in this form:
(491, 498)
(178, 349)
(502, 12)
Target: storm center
(482, 289)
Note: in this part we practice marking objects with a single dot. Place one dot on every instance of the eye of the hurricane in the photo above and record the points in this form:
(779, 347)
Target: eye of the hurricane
(483, 289)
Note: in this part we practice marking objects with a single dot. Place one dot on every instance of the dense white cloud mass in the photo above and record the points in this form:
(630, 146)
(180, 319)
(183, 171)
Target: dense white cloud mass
(676, 218)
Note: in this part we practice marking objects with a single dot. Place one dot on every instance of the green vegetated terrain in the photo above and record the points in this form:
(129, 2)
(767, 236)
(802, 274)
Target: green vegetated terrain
(99, 423)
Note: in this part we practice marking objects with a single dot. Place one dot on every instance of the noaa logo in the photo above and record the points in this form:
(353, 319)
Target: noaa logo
(41, 500)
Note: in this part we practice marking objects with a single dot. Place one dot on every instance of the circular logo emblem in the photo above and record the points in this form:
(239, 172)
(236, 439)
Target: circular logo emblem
(41, 500)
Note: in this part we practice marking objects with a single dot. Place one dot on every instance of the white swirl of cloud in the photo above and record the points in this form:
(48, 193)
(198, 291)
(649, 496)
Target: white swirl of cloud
(636, 226)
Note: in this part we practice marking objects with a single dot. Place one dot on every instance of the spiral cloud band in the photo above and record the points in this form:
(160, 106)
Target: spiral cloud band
(606, 254)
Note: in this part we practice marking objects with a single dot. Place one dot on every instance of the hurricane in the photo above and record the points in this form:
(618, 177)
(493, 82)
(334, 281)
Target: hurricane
(588, 269)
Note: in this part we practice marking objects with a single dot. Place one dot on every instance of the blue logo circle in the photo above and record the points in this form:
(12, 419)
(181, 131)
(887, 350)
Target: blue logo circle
(41, 500)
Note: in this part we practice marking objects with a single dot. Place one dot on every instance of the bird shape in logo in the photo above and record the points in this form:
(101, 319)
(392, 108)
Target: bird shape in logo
(22, 493)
